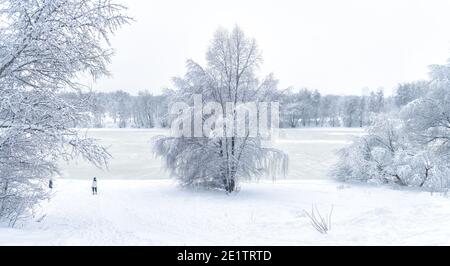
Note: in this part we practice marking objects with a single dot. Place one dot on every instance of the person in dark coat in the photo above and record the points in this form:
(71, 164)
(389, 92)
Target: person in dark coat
(94, 186)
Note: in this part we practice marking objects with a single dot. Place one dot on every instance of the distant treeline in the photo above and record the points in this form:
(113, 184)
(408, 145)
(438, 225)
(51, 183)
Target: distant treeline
(299, 108)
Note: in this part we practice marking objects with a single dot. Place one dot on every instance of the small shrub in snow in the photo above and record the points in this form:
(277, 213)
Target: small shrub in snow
(320, 222)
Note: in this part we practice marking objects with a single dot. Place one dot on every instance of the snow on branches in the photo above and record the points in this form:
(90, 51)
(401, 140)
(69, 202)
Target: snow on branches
(410, 148)
(220, 161)
(44, 46)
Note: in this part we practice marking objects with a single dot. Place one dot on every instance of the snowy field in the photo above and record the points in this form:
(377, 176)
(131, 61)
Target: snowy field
(138, 205)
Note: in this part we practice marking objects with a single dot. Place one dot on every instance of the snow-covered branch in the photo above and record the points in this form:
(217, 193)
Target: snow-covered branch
(45, 45)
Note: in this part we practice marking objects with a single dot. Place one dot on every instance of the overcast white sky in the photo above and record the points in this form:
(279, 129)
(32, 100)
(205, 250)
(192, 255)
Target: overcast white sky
(335, 46)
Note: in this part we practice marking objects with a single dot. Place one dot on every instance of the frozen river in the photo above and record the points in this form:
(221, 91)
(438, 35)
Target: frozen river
(311, 152)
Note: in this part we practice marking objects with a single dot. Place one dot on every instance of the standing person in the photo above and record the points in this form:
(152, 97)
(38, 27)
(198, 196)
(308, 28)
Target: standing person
(50, 184)
(94, 186)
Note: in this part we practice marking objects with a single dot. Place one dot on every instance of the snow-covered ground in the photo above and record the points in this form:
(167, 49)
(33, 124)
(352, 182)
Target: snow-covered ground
(148, 212)
(139, 208)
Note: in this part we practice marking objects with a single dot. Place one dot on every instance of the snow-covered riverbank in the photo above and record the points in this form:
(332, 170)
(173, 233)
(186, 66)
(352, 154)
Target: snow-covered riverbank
(138, 205)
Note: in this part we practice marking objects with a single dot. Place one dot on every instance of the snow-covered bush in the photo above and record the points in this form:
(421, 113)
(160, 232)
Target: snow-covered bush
(371, 156)
(410, 148)
(44, 46)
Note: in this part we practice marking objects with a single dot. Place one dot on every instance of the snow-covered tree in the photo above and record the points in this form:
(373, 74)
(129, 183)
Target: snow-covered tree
(121, 108)
(410, 147)
(375, 105)
(220, 161)
(408, 92)
(290, 109)
(301, 108)
(315, 104)
(304, 108)
(44, 46)
(350, 112)
(149, 111)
